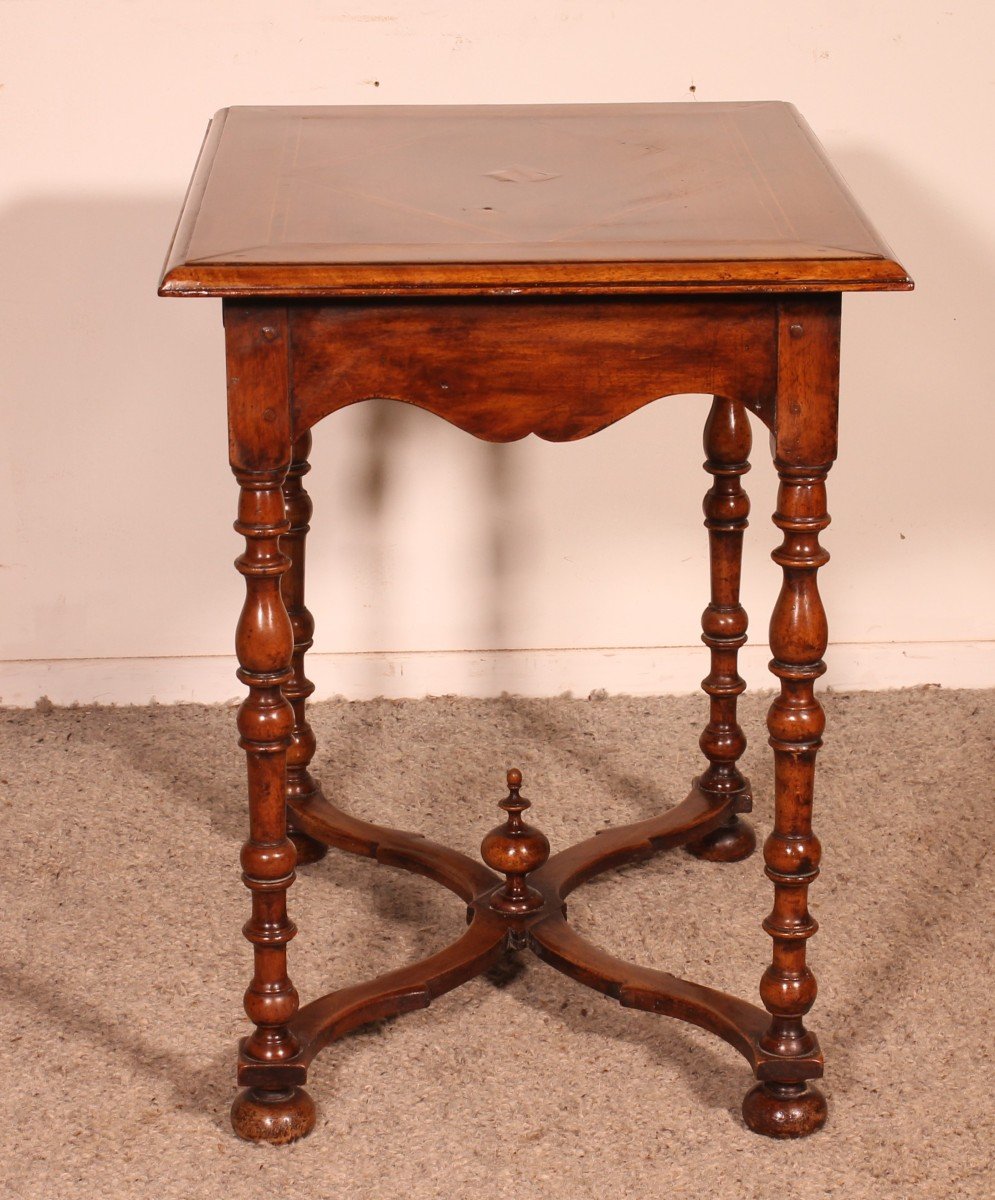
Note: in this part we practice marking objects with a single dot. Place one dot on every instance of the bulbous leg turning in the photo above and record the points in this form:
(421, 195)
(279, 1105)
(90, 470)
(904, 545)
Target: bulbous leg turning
(731, 842)
(726, 506)
(274, 1117)
(298, 688)
(790, 1107)
(785, 1110)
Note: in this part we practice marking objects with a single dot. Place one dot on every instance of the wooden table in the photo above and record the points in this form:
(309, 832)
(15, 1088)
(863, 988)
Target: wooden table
(524, 270)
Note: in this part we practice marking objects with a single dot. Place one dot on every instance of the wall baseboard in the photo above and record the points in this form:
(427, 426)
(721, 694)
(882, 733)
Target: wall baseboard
(641, 671)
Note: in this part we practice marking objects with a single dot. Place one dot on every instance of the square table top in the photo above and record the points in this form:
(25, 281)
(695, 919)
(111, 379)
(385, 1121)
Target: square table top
(552, 199)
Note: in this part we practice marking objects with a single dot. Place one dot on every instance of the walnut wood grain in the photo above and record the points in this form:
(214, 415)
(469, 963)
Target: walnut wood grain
(805, 447)
(264, 643)
(516, 850)
(322, 819)
(405, 990)
(556, 368)
(548, 198)
(727, 442)
(300, 783)
(695, 816)
(735, 1021)
(780, 356)
(523, 270)
(540, 927)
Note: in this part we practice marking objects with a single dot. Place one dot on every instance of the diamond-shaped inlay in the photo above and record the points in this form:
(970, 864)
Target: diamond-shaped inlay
(684, 195)
(518, 174)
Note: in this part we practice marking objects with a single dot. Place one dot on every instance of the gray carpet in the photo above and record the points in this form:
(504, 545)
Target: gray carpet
(124, 966)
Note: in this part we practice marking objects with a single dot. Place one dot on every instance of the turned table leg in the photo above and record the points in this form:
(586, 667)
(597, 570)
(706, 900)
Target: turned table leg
(727, 442)
(783, 1105)
(273, 1108)
(300, 784)
(264, 644)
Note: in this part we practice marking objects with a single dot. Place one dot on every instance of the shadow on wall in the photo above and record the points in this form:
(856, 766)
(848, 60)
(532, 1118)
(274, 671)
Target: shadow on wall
(913, 398)
(116, 467)
(115, 454)
(108, 452)
(902, 355)
(394, 470)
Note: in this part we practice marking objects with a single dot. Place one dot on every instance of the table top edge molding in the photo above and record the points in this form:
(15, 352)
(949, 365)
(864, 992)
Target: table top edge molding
(313, 211)
(465, 279)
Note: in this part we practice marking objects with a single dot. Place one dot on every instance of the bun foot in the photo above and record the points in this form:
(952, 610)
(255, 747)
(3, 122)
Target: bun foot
(785, 1110)
(274, 1117)
(309, 850)
(731, 842)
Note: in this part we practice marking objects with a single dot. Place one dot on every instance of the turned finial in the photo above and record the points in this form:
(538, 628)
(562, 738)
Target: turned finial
(515, 849)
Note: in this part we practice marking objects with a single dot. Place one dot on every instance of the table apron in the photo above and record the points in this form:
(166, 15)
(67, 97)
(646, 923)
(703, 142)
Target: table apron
(559, 368)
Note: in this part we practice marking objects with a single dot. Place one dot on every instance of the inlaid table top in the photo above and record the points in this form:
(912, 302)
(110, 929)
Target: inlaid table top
(435, 200)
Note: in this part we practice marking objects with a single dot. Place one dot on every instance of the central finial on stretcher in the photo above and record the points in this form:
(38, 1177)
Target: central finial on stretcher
(516, 850)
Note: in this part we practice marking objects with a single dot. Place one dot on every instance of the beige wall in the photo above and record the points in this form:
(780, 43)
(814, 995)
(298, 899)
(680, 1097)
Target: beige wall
(584, 564)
